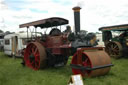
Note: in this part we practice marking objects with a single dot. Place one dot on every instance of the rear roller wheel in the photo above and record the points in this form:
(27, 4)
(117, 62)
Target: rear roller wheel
(35, 56)
(114, 49)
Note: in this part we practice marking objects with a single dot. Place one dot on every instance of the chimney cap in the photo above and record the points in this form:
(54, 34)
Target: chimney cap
(77, 8)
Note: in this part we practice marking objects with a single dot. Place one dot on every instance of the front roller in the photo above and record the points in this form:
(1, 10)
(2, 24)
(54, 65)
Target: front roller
(35, 56)
(91, 62)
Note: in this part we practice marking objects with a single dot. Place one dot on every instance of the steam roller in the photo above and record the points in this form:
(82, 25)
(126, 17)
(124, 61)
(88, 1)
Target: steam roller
(89, 61)
(54, 49)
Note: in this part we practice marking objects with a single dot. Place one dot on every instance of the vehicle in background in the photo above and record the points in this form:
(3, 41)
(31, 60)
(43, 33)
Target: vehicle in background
(116, 40)
(1, 41)
(1, 45)
(14, 44)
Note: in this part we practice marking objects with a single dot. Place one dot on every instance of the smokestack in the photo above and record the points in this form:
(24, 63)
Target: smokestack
(77, 19)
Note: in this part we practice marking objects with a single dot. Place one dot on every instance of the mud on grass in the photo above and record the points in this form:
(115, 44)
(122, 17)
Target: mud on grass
(13, 73)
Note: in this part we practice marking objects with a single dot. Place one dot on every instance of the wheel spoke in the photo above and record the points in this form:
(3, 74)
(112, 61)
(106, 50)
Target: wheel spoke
(29, 51)
(116, 51)
(115, 47)
(35, 52)
(85, 61)
(32, 62)
(37, 58)
(32, 50)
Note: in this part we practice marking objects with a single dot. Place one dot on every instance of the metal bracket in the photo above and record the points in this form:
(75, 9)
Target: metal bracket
(88, 68)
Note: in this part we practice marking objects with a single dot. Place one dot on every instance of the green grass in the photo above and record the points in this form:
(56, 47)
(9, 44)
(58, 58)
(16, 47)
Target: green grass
(13, 73)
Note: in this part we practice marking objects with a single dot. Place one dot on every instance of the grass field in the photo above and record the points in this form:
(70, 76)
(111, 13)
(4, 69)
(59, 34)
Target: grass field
(13, 73)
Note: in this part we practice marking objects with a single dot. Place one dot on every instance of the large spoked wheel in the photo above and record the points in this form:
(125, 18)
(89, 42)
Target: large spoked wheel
(114, 49)
(85, 62)
(35, 56)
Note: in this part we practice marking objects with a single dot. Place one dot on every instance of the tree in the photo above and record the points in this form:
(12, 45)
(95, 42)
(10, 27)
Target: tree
(7, 32)
(1, 31)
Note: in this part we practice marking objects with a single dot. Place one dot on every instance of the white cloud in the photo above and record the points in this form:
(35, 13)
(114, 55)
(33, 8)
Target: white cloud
(94, 13)
(13, 18)
(99, 13)
(2, 5)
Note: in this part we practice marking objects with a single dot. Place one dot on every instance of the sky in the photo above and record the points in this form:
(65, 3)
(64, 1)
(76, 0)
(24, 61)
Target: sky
(94, 13)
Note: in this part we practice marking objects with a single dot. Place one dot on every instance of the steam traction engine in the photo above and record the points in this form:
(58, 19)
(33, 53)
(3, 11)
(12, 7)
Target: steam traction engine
(53, 49)
(116, 45)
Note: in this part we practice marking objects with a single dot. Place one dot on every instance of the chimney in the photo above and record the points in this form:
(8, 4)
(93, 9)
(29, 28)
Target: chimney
(77, 19)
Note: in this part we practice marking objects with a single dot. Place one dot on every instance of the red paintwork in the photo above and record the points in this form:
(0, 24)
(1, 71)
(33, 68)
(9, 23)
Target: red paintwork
(59, 44)
(85, 63)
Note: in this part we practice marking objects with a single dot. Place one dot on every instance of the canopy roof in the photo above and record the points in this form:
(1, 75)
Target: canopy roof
(122, 27)
(45, 23)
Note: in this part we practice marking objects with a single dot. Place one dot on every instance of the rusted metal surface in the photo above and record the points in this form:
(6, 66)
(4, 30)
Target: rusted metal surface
(98, 58)
(91, 58)
(35, 56)
(57, 44)
(45, 23)
(114, 49)
(80, 50)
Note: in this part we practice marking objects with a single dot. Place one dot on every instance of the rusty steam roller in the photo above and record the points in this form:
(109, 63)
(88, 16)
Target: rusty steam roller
(53, 49)
(89, 61)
